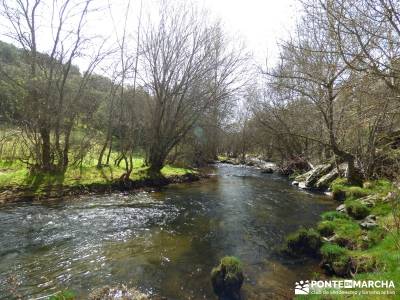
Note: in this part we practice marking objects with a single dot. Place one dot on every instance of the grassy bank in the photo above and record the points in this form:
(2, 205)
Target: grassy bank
(351, 247)
(15, 176)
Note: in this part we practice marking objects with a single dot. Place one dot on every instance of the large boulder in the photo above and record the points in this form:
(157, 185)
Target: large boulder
(327, 179)
(227, 278)
(316, 174)
(304, 176)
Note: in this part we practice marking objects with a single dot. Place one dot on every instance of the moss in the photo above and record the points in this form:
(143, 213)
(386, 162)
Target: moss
(357, 210)
(303, 241)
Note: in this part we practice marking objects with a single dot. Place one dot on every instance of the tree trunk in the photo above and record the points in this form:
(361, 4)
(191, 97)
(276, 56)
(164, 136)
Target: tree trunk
(155, 162)
(46, 151)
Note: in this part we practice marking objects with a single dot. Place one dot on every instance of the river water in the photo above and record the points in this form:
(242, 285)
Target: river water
(163, 242)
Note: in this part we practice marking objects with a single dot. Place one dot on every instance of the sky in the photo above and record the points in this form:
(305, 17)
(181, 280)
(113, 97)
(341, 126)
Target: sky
(259, 23)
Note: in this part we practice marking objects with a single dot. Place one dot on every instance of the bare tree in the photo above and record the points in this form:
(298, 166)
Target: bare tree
(54, 86)
(186, 71)
(311, 69)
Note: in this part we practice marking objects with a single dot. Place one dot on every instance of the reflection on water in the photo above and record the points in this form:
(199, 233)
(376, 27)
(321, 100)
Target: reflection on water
(161, 242)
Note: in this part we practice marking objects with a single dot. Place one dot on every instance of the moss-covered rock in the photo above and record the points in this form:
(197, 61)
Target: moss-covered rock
(227, 278)
(304, 241)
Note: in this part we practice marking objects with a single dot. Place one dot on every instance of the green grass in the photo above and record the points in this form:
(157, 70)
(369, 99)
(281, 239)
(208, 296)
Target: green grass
(17, 175)
(381, 187)
(230, 266)
(356, 209)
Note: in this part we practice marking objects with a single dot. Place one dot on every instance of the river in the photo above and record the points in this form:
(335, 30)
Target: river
(162, 242)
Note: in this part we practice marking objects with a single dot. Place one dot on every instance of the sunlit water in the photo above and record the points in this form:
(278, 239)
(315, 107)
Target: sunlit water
(164, 243)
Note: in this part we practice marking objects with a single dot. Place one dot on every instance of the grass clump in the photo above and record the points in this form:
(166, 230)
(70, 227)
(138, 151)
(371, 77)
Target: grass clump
(303, 241)
(332, 252)
(326, 228)
(331, 215)
(342, 189)
(336, 259)
(357, 210)
(227, 278)
(232, 267)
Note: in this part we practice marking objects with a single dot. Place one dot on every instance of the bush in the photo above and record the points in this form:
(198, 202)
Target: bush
(357, 210)
(303, 241)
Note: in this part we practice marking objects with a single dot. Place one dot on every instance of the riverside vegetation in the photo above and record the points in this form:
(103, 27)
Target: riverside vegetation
(360, 239)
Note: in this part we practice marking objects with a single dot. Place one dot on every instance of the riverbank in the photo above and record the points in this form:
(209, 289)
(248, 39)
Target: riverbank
(360, 240)
(18, 184)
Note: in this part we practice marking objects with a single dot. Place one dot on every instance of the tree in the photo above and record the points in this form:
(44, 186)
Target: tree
(186, 71)
(54, 86)
(312, 70)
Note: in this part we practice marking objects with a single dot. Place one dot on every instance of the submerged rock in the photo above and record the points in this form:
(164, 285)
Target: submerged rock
(117, 293)
(227, 278)
(267, 171)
